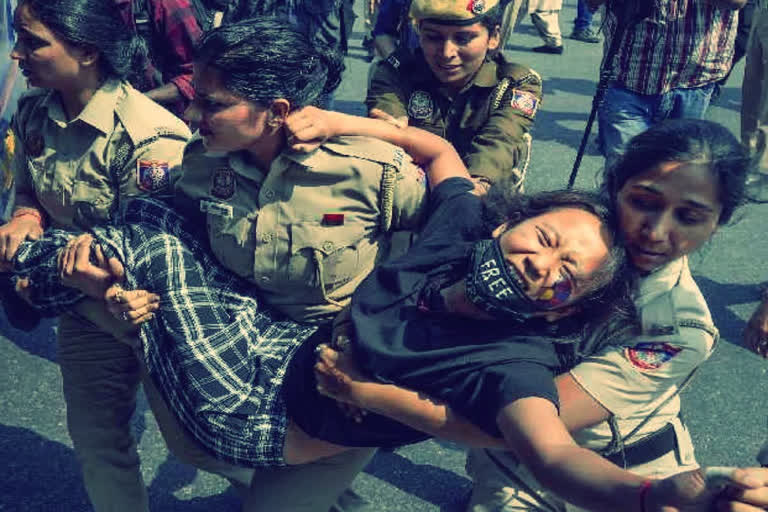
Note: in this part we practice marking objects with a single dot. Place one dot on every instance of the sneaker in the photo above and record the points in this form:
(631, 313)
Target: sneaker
(555, 50)
(585, 36)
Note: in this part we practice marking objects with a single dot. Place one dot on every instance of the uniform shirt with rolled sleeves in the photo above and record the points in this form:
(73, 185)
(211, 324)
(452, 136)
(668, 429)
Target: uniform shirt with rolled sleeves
(310, 228)
(633, 379)
(120, 146)
(488, 121)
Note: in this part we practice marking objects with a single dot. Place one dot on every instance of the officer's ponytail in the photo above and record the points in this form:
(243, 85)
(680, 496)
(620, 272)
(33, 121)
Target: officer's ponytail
(93, 24)
(264, 59)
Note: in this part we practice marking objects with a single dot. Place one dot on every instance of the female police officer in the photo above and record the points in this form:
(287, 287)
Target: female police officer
(86, 142)
(458, 86)
(676, 184)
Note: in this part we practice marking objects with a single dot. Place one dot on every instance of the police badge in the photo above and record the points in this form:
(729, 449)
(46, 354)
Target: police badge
(223, 183)
(153, 175)
(476, 6)
(420, 105)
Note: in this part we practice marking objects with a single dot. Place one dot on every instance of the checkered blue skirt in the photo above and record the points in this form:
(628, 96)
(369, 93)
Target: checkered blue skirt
(215, 354)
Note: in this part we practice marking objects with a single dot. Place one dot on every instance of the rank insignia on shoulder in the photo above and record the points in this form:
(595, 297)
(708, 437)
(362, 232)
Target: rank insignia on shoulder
(524, 102)
(651, 356)
(33, 145)
(218, 209)
(153, 175)
(476, 6)
(420, 105)
(223, 183)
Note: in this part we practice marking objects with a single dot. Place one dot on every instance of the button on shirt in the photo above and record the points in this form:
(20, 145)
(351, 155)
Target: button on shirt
(78, 168)
(309, 229)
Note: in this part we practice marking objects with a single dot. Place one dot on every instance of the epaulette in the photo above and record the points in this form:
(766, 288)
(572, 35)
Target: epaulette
(367, 148)
(29, 101)
(519, 74)
(133, 109)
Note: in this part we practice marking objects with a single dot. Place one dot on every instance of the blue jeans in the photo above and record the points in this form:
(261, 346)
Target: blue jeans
(583, 19)
(624, 114)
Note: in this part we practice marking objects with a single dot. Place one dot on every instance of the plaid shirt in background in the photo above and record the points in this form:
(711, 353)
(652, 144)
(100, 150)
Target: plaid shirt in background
(217, 358)
(175, 32)
(682, 44)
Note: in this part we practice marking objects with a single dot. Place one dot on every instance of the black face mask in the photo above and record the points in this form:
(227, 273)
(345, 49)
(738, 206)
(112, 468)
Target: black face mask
(496, 288)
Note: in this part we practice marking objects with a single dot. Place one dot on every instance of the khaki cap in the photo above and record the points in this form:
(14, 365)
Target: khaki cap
(452, 12)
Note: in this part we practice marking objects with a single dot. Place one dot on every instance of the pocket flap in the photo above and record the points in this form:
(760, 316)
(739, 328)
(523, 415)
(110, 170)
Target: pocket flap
(326, 239)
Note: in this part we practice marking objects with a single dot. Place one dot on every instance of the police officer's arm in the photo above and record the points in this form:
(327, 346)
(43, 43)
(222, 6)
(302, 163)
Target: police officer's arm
(28, 218)
(436, 154)
(502, 144)
(385, 92)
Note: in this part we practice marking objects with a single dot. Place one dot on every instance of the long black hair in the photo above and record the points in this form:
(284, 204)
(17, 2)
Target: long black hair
(264, 59)
(96, 25)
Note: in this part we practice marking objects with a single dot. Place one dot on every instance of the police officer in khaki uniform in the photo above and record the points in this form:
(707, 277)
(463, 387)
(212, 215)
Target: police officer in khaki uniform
(304, 228)
(458, 86)
(86, 142)
(638, 383)
(624, 401)
(309, 229)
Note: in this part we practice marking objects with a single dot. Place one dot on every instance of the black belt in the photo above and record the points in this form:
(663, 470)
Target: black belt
(650, 448)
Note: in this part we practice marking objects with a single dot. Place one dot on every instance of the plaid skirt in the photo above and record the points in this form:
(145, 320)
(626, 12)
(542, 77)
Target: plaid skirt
(216, 355)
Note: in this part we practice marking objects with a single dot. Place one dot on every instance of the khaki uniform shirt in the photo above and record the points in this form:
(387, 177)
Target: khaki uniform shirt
(121, 145)
(310, 228)
(632, 380)
(488, 121)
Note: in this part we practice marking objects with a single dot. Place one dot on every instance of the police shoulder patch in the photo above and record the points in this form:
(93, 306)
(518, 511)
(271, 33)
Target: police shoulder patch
(420, 105)
(524, 102)
(651, 355)
(153, 175)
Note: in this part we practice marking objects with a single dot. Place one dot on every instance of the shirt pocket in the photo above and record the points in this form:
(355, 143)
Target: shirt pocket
(233, 241)
(324, 255)
(92, 201)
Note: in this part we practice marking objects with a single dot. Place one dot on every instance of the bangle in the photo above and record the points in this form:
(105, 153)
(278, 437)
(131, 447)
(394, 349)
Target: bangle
(21, 212)
(644, 488)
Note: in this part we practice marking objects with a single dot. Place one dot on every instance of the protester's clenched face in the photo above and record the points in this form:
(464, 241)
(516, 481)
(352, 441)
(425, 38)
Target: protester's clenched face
(563, 248)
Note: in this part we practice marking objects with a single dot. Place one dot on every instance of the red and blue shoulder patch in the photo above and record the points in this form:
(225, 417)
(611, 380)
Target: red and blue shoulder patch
(153, 175)
(651, 356)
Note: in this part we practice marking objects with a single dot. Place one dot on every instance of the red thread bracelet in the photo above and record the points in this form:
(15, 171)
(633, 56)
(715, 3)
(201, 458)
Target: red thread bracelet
(644, 488)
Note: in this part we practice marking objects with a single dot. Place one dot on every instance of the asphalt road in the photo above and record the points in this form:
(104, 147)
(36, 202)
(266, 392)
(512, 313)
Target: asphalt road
(725, 407)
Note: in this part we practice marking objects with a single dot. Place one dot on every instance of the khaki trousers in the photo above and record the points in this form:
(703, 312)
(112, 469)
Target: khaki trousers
(100, 378)
(754, 89)
(312, 487)
(548, 25)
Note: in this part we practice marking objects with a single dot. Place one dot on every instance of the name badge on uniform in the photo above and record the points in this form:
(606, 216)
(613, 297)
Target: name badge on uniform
(420, 105)
(218, 209)
(524, 102)
(223, 183)
(153, 175)
(33, 145)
